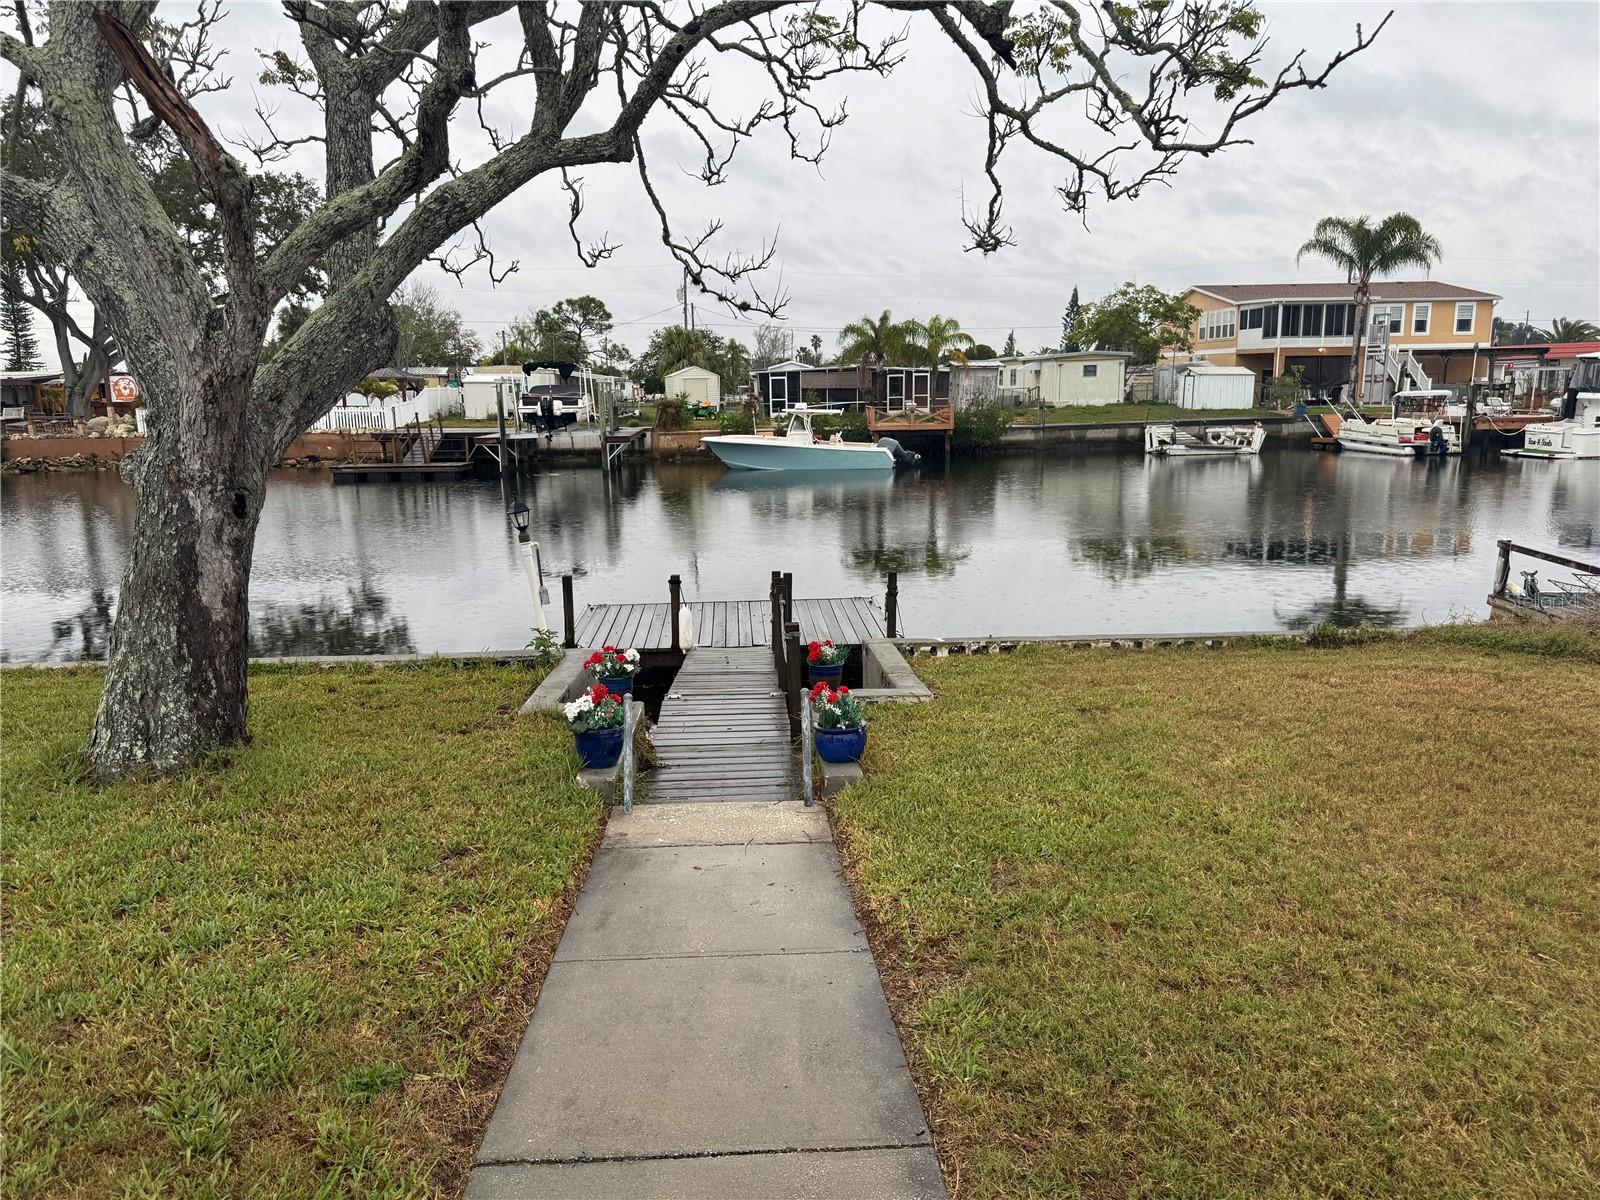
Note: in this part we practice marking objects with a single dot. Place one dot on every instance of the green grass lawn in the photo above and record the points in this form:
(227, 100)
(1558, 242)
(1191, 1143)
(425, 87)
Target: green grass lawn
(298, 972)
(1083, 414)
(1246, 923)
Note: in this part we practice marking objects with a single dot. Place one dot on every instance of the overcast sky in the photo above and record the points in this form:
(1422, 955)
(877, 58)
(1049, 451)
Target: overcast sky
(1482, 120)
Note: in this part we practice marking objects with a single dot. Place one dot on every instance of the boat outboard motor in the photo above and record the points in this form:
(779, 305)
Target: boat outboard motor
(1436, 441)
(901, 455)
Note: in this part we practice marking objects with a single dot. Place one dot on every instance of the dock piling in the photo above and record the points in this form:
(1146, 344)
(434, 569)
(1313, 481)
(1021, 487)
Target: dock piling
(775, 608)
(675, 589)
(792, 687)
(500, 448)
(891, 604)
(569, 620)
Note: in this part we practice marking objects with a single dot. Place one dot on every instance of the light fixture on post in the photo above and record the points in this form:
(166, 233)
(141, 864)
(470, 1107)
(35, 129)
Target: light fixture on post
(531, 566)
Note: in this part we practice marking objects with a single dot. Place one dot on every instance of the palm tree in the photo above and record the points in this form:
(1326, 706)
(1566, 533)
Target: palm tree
(1568, 329)
(940, 335)
(874, 341)
(1361, 250)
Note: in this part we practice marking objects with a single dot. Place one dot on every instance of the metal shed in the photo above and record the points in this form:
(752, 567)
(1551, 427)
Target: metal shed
(1206, 385)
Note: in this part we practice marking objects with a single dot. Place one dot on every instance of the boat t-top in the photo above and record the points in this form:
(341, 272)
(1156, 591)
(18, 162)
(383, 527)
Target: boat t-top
(1417, 427)
(1577, 433)
(1209, 441)
(797, 449)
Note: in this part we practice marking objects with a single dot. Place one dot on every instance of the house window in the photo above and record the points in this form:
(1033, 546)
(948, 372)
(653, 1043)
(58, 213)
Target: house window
(1269, 322)
(1013, 377)
(1090, 370)
(1291, 320)
(1311, 323)
(1250, 318)
(1466, 315)
(1217, 325)
(1337, 323)
(1421, 318)
(1389, 316)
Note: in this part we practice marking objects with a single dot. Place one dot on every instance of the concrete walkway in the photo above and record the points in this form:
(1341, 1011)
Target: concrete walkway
(712, 1025)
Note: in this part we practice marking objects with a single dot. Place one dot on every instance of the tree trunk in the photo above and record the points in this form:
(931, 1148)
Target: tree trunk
(175, 684)
(1358, 339)
(81, 387)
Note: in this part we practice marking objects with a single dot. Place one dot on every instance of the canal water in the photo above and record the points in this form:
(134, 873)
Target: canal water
(1011, 546)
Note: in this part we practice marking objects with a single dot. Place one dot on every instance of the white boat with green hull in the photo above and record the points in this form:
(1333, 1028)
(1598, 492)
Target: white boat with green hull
(797, 449)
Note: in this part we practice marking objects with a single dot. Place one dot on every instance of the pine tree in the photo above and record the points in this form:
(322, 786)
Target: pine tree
(1011, 345)
(16, 320)
(1069, 322)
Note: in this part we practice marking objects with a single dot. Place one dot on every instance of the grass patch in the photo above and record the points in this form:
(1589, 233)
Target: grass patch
(1085, 414)
(1263, 921)
(298, 972)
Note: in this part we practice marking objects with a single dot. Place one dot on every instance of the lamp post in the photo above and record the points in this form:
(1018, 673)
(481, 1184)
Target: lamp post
(530, 562)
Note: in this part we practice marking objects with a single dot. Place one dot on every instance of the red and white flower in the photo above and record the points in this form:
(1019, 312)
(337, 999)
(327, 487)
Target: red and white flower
(611, 663)
(836, 708)
(596, 708)
(826, 654)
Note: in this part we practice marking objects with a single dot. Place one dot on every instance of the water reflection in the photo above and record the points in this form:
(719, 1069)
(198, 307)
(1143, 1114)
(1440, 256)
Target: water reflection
(364, 625)
(1007, 546)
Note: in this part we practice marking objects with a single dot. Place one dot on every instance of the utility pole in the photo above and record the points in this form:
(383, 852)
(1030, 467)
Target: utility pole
(683, 294)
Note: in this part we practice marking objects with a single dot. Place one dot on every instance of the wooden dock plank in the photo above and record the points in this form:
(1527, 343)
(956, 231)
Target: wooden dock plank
(739, 625)
(723, 734)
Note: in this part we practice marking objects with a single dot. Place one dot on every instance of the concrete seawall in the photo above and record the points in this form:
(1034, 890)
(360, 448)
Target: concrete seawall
(1117, 434)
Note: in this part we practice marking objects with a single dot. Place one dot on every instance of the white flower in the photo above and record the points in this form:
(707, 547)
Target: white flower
(576, 708)
(631, 656)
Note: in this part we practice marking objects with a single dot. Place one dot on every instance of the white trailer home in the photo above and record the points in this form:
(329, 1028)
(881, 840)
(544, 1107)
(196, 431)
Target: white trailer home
(1056, 379)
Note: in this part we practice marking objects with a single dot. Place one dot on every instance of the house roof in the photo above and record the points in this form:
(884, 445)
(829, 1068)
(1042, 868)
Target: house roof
(1546, 349)
(1419, 289)
(689, 369)
(1054, 355)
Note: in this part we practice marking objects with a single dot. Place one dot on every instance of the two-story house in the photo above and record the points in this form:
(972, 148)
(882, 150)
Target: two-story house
(1422, 333)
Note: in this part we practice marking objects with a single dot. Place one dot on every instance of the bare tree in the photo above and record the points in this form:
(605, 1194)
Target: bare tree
(393, 85)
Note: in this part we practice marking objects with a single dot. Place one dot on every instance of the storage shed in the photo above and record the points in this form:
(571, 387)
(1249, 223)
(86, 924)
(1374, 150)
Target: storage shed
(702, 387)
(1205, 385)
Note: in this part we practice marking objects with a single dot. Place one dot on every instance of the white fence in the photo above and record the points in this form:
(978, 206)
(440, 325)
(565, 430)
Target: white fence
(391, 413)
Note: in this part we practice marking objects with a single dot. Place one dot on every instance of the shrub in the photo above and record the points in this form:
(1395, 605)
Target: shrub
(741, 419)
(672, 412)
(851, 426)
(979, 426)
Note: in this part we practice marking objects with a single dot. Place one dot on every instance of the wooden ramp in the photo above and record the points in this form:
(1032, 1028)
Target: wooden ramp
(729, 624)
(723, 733)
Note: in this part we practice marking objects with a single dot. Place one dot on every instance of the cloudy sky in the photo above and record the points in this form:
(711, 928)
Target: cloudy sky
(1482, 120)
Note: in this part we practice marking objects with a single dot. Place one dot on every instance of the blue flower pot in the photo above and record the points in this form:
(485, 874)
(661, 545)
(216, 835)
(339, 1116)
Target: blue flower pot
(841, 745)
(824, 674)
(618, 685)
(599, 747)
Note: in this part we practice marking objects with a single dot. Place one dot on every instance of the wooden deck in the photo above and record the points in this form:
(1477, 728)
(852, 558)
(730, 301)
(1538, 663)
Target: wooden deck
(729, 624)
(723, 733)
(940, 419)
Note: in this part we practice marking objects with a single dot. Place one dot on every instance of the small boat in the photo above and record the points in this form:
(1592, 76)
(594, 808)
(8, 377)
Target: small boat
(1577, 434)
(1209, 442)
(1418, 427)
(797, 449)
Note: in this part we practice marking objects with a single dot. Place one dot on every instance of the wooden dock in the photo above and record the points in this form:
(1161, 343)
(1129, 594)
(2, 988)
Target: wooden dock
(724, 731)
(729, 624)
